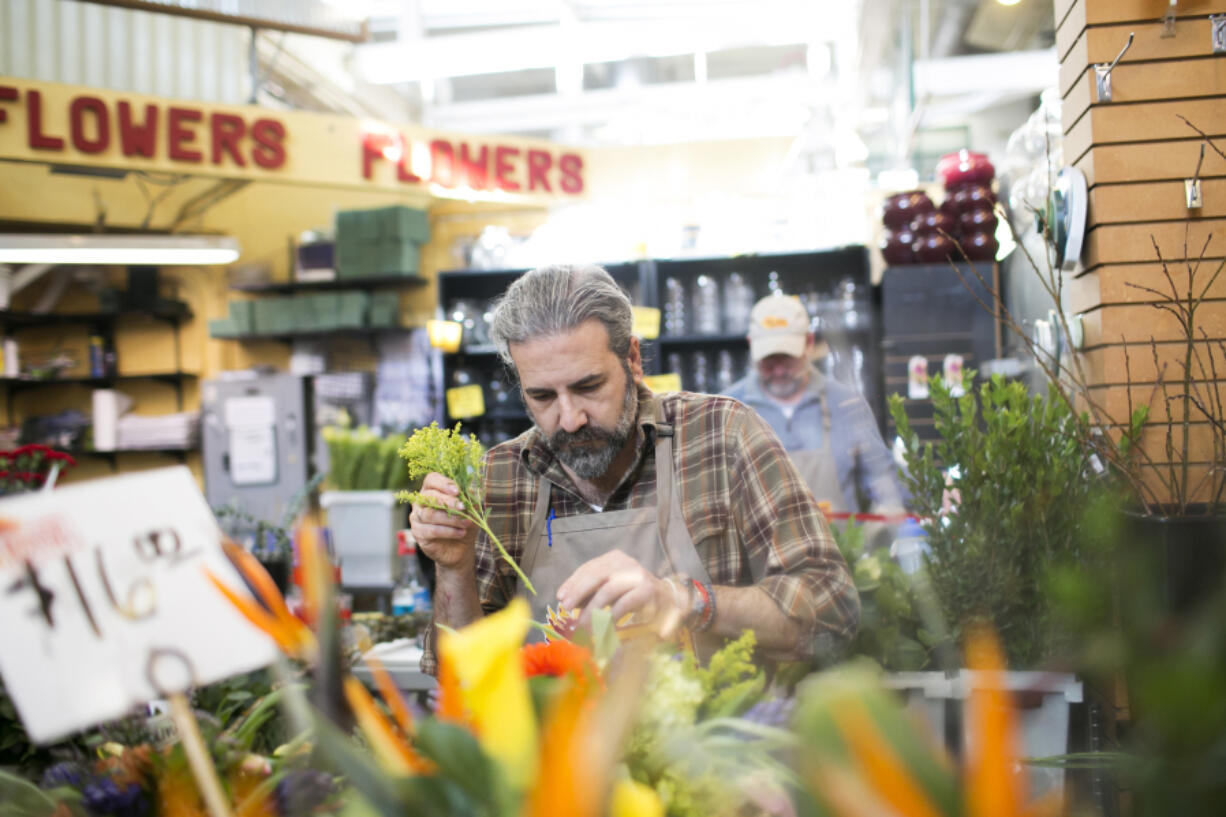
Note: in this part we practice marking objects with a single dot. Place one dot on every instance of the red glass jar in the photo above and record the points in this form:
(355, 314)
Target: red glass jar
(896, 248)
(934, 248)
(979, 245)
(935, 222)
(979, 219)
(973, 196)
(900, 209)
(965, 167)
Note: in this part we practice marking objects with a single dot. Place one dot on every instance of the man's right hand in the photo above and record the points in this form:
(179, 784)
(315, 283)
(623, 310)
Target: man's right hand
(448, 540)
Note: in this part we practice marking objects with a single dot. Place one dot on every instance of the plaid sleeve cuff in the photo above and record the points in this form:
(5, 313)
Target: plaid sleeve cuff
(826, 608)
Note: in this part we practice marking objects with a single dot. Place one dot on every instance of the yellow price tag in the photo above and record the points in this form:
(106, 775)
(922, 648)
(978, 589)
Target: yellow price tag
(646, 322)
(663, 382)
(465, 401)
(445, 335)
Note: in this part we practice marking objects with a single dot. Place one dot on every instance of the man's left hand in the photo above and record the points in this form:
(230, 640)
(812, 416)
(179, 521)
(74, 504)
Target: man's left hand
(619, 582)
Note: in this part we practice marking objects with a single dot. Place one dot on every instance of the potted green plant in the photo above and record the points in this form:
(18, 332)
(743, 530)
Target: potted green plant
(365, 473)
(1002, 491)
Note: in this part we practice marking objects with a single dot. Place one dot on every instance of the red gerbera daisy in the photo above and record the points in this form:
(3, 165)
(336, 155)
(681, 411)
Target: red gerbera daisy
(556, 658)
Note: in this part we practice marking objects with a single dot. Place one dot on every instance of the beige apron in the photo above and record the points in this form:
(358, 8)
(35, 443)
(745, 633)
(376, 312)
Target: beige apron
(818, 470)
(654, 536)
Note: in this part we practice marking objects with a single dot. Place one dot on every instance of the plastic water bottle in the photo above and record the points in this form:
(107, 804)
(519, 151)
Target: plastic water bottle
(910, 546)
(410, 593)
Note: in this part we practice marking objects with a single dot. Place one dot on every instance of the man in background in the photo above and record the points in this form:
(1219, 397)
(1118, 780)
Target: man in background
(826, 426)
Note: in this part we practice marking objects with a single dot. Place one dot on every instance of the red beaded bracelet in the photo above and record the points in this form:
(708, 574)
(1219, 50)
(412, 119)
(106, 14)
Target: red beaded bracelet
(707, 616)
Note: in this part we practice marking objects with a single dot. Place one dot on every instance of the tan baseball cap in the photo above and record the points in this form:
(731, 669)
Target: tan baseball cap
(778, 324)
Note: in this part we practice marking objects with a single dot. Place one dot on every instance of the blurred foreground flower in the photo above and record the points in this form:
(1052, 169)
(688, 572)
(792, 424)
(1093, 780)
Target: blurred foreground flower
(861, 754)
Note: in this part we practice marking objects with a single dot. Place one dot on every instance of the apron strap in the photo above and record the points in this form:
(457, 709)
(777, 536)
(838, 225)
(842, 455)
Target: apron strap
(664, 478)
(536, 531)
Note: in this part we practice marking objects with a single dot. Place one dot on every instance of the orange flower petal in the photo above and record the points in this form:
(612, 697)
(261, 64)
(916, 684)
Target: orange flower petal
(884, 772)
(389, 748)
(255, 574)
(315, 574)
(570, 783)
(451, 696)
(992, 785)
(257, 615)
(390, 695)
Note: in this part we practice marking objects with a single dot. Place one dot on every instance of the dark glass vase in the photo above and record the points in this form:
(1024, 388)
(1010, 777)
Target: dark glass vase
(1186, 551)
(278, 570)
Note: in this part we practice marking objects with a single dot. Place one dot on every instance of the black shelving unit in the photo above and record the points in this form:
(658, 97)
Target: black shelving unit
(815, 275)
(927, 311)
(173, 313)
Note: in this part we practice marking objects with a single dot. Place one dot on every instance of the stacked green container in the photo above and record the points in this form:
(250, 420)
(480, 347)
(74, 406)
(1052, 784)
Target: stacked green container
(380, 242)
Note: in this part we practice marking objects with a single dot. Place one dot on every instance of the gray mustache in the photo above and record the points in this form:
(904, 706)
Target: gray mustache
(562, 439)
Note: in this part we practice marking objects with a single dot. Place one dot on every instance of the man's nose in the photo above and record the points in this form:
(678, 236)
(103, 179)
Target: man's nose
(571, 418)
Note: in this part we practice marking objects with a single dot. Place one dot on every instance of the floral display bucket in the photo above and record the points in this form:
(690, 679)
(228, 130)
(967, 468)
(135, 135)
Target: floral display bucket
(364, 525)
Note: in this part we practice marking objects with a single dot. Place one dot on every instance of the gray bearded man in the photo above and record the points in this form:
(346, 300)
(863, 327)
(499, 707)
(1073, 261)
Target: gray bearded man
(675, 505)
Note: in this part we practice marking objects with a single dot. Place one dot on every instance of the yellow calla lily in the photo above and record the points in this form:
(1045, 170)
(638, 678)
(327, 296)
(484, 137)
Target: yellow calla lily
(633, 799)
(485, 659)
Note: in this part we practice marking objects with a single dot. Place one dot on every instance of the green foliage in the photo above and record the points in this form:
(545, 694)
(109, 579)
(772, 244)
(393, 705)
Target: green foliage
(20, 798)
(676, 745)
(891, 632)
(434, 450)
(1172, 662)
(731, 683)
(1024, 482)
(360, 460)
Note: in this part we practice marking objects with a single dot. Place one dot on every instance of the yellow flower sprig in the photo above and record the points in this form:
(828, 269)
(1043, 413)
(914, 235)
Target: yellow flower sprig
(446, 451)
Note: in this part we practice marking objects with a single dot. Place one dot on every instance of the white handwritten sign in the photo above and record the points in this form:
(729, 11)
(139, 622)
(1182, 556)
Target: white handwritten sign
(105, 604)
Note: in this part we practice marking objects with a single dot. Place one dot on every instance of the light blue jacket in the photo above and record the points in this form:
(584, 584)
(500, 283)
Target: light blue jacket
(859, 452)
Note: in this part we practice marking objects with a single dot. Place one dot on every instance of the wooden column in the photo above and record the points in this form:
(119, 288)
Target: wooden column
(1136, 151)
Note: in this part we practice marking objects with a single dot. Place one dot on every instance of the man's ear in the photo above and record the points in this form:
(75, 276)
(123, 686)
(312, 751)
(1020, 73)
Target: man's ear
(635, 359)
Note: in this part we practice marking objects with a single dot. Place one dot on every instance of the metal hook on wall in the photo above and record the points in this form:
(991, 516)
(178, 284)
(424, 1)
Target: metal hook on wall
(1217, 33)
(1168, 20)
(1102, 71)
(1191, 187)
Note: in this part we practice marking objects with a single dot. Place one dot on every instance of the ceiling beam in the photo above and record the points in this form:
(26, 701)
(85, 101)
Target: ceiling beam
(753, 106)
(543, 46)
(1008, 73)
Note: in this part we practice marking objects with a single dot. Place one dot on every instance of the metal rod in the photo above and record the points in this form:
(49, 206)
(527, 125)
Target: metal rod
(253, 66)
(360, 36)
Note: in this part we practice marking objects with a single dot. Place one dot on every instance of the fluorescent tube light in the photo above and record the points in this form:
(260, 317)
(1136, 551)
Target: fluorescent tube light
(154, 250)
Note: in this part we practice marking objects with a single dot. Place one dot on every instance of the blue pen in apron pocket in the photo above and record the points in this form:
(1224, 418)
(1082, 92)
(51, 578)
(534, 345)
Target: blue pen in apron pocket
(549, 527)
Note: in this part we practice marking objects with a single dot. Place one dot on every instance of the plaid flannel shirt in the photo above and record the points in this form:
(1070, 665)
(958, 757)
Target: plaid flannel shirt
(750, 515)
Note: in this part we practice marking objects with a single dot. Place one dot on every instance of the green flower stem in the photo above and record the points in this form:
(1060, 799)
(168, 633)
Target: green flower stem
(479, 521)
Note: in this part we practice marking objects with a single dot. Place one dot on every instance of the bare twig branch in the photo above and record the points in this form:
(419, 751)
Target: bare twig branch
(1204, 136)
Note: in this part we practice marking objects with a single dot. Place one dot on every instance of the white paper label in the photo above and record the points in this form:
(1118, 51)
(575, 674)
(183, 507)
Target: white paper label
(242, 412)
(253, 455)
(105, 602)
(917, 377)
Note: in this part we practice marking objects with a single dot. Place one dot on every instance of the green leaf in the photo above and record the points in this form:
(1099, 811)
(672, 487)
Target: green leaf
(20, 798)
(378, 788)
(460, 759)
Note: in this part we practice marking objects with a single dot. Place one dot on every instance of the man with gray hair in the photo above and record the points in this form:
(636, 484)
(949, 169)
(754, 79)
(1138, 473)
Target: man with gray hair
(669, 507)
